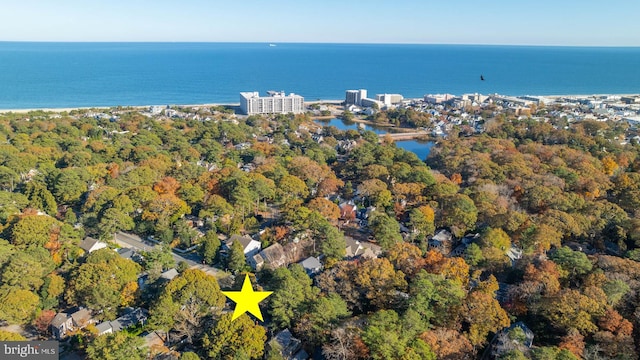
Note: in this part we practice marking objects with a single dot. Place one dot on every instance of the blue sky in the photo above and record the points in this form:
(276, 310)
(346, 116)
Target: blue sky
(543, 22)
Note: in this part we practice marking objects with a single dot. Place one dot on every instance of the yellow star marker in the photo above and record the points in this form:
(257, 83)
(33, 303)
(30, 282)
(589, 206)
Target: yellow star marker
(247, 299)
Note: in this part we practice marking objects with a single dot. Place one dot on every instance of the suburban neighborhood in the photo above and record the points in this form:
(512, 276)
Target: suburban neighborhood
(133, 222)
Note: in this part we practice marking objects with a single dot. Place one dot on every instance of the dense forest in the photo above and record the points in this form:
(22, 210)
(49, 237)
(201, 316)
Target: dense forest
(563, 197)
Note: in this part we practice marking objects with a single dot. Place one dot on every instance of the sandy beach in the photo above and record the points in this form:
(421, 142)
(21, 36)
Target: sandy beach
(307, 103)
(138, 107)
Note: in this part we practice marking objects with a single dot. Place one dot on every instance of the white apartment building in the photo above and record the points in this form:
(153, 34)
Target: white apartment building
(389, 99)
(438, 99)
(276, 102)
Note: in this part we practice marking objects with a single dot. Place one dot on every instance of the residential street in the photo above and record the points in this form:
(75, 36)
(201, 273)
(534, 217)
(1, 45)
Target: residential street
(135, 242)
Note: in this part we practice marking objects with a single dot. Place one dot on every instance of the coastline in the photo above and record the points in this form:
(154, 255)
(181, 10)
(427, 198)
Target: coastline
(137, 107)
(319, 101)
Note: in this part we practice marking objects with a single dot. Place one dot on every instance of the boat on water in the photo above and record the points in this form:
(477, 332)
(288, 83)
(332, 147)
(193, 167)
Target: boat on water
(273, 45)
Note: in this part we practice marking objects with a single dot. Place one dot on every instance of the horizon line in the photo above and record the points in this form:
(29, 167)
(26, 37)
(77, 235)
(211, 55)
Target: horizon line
(307, 42)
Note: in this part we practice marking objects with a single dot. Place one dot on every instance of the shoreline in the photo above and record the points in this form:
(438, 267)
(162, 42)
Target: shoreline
(231, 105)
(137, 107)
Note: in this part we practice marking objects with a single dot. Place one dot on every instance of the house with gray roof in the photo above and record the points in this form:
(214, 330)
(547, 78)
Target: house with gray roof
(291, 348)
(272, 257)
(131, 317)
(126, 253)
(169, 274)
(311, 265)
(364, 249)
(82, 318)
(65, 322)
(442, 241)
(516, 337)
(60, 325)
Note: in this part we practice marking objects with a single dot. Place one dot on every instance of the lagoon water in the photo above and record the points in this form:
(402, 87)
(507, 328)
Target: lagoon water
(45, 75)
(420, 148)
(352, 125)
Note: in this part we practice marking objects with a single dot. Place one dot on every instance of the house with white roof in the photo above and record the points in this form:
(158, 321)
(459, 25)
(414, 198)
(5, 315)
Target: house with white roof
(250, 247)
(90, 244)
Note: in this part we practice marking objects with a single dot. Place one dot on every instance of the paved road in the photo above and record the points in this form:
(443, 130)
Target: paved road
(135, 242)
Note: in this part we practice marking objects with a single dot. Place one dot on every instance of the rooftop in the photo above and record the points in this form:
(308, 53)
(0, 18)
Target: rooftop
(271, 93)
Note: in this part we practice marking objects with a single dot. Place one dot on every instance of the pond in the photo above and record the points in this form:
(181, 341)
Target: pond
(420, 148)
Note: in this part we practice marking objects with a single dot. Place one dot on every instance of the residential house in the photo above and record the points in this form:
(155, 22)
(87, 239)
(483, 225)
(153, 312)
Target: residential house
(442, 241)
(516, 337)
(250, 247)
(82, 318)
(156, 344)
(60, 325)
(585, 248)
(354, 109)
(127, 253)
(369, 111)
(348, 210)
(464, 244)
(458, 251)
(311, 265)
(514, 254)
(363, 249)
(243, 146)
(169, 274)
(104, 328)
(347, 145)
(194, 221)
(131, 318)
(273, 257)
(64, 322)
(291, 348)
(365, 213)
(90, 245)
(295, 252)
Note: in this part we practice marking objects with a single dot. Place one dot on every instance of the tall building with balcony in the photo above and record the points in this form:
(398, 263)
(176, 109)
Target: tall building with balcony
(276, 102)
(354, 97)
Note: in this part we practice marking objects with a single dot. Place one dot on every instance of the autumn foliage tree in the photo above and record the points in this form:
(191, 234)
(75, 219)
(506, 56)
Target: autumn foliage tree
(574, 342)
(448, 344)
(572, 309)
(483, 315)
(615, 337)
(105, 282)
(326, 208)
(422, 220)
(373, 283)
(185, 302)
(458, 212)
(232, 339)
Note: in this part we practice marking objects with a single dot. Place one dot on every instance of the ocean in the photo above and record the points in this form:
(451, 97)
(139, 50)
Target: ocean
(60, 75)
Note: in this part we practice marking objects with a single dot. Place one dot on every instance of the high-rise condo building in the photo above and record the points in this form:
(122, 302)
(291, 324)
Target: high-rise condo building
(354, 97)
(276, 102)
